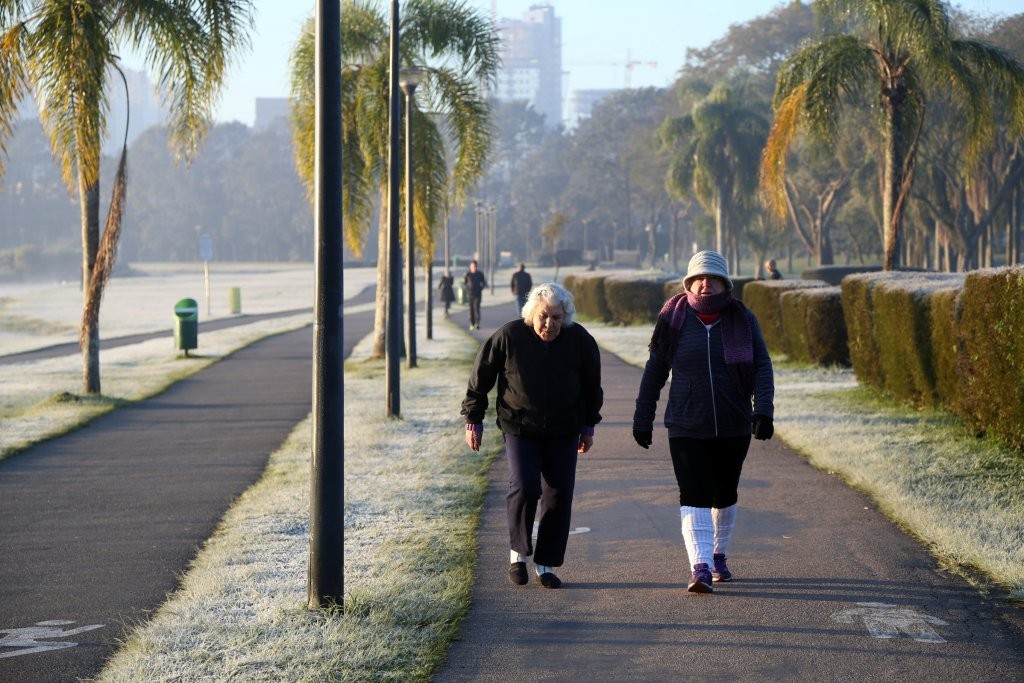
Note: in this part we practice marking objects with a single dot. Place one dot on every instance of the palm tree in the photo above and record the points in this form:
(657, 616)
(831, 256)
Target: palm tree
(718, 145)
(897, 53)
(458, 45)
(60, 53)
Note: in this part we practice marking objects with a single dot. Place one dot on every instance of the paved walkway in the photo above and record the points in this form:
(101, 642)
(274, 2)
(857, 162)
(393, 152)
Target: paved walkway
(97, 526)
(826, 589)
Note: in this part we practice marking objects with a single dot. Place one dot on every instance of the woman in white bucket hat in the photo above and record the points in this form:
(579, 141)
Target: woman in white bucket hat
(722, 391)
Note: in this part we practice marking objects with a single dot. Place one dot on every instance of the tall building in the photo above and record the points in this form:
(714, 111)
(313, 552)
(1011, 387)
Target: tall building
(531, 54)
(270, 111)
(146, 110)
(582, 102)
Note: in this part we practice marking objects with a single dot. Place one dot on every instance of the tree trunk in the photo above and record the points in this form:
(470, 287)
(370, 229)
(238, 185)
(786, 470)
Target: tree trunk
(89, 207)
(890, 189)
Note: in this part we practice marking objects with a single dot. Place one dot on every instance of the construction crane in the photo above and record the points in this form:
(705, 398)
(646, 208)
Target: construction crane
(627, 66)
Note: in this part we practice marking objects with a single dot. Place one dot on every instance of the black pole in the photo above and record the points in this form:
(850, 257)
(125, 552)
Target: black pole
(410, 228)
(326, 582)
(393, 347)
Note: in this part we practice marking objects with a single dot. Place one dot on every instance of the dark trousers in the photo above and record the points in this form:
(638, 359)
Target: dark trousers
(544, 469)
(474, 310)
(708, 470)
(520, 301)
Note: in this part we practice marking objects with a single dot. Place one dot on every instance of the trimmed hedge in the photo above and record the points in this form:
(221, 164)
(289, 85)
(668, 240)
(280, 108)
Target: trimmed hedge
(812, 320)
(762, 297)
(991, 353)
(587, 291)
(890, 323)
(834, 274)
(635, 299)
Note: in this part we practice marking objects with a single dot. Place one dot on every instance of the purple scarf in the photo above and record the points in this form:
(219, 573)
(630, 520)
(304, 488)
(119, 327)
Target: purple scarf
(737, 339)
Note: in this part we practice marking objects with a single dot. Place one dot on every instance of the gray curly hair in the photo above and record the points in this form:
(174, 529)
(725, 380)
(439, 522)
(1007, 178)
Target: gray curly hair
(552, 294)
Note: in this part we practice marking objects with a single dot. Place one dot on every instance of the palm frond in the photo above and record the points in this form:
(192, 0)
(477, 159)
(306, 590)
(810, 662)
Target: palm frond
(13, 79)
(773, 160)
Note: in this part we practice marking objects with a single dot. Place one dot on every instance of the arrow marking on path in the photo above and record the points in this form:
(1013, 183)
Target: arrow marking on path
(889, 621)
(28, 638)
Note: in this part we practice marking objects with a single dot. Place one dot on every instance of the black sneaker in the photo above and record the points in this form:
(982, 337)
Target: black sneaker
(700, 581)
(549, 580)
(517, 574)
(720, 572)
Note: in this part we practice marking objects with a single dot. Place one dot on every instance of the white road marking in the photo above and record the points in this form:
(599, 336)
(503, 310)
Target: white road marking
(889, 621)
(28, 638)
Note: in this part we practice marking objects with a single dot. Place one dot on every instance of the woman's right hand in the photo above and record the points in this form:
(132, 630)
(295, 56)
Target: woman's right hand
(473, 438)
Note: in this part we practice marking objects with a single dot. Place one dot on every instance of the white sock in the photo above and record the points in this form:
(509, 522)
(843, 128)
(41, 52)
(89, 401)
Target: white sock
(543, 569)
(724, 519)
(698, 534)
(514, 557)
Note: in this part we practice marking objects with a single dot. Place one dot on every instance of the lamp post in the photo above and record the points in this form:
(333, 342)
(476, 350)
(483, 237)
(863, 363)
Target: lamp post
(493, 242)
(393, 337)
(408, 79)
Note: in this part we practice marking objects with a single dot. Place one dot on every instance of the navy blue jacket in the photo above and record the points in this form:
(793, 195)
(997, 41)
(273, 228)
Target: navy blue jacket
(704, 401)
(544, 388)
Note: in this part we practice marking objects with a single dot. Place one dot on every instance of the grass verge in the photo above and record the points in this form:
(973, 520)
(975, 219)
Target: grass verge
(411, 515)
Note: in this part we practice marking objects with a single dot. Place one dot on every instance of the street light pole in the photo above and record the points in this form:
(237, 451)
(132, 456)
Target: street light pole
(393, 345)
(409, 78)
(326, 575)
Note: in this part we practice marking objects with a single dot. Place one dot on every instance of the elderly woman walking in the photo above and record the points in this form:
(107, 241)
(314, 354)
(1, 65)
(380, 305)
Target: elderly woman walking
(722, 390)
(548, 371)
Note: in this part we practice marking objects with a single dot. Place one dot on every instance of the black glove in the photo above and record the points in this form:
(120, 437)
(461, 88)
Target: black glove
(643, 438)
(763, 427)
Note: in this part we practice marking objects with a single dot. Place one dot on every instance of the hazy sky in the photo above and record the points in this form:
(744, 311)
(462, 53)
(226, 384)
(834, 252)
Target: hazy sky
(598, 38)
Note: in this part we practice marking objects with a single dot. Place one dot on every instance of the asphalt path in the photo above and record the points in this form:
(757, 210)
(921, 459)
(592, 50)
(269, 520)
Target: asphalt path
(826, 587)
(96, 527)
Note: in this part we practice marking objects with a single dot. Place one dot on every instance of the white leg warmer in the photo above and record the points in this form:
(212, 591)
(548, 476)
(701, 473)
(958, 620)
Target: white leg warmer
(698, 534)
(724, 519)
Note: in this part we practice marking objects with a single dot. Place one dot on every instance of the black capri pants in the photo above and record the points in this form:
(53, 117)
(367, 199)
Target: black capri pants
(708, 470)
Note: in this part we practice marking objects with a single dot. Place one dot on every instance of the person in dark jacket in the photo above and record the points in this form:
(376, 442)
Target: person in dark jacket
(548, 371)
(475, 283)
(522, 283)
(722, 391)
(447, 290)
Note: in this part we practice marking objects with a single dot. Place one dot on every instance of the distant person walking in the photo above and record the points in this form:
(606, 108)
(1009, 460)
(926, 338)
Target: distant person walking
(713, 348)
(549, 397)
(475, 283)
(771, 271)
(522, 283)
(447, 290)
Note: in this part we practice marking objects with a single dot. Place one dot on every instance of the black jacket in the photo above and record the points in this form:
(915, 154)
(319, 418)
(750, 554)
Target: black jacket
(544, 388)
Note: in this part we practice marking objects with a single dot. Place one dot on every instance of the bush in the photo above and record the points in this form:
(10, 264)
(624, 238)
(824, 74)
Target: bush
(834, 274)
(902, 315)
(991, 355)
(860, 329)
(944, 322)
(587, 291)
(762, 297)
(812, 320)
(635, 299)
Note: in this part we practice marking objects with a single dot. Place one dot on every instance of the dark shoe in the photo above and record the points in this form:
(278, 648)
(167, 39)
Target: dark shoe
(549, 580)
(517, 574)
(720, 572)
(700, 582)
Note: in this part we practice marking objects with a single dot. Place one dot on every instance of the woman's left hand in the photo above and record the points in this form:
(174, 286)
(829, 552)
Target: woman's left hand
(586, 443)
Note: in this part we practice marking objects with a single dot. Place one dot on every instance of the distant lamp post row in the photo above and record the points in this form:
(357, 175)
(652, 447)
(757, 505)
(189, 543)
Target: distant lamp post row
(409, 78)
(486, 238)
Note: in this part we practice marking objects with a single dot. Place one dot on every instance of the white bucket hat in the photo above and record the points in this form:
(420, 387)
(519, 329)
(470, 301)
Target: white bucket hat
(707, 263)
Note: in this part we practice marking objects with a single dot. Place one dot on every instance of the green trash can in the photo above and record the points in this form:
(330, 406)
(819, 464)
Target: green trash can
(460, 294)
(235, 300)
(186, 325)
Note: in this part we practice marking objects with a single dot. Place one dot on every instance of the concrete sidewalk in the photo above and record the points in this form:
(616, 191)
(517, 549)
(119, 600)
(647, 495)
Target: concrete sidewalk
(826, 588)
